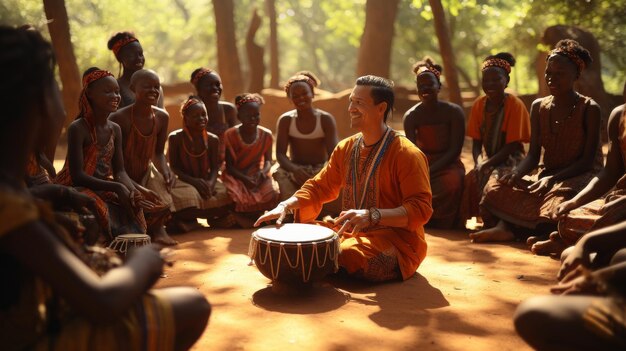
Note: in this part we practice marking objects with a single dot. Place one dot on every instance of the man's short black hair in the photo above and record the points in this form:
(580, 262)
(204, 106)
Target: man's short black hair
(382, 90)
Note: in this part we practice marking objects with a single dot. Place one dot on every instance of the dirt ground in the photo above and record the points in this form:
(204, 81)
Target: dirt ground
(462, 298)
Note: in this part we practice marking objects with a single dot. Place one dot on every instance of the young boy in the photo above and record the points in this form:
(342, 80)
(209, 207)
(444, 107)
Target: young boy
(144, 131)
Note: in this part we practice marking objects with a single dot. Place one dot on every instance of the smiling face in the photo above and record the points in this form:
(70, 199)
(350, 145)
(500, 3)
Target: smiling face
(249, 114)
(147, 88)
(494, 81)
(131, 56)
(560, 74)
(301, 95)
(209, 87)
(104, 95)
(362, 109)
(196, 117)
(427, 87)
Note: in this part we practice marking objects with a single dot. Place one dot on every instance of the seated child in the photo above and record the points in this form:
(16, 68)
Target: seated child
(144, 131)
(95, 162)
(193, 155)
(248, 162)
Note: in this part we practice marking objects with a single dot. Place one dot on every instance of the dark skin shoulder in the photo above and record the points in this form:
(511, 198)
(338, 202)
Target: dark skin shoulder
(329, 125)
(446, 113)
(122, 118)
(230, 113)
(109, 296)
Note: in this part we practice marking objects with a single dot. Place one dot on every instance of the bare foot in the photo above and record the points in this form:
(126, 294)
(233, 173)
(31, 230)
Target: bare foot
(551, 247)
(189, 226)
(533, 239)
(498, 233)
(161, 237)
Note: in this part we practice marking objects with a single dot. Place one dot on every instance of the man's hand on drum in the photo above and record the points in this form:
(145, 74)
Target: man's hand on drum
(279, 212)
(352, 221)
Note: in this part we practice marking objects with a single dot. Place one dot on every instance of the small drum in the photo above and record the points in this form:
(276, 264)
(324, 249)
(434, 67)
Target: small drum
(123, 242)
(295, 254)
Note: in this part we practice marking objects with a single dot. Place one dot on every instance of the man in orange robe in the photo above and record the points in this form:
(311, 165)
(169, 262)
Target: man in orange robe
(386, 191)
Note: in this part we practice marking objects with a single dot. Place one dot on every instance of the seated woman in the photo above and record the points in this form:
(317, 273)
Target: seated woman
(193, 155)
(144, 131)
(567, 126)
(94, 161)
(129, 53)
(248, 162)
(591, 315)
(498, 125)
(222, 115)
(582, 214)
(438, 128)
(309, 133)
(53, 300)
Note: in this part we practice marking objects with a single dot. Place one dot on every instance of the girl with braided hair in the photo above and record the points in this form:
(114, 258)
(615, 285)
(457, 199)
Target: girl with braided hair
(309, 134)
(437, 128)
(129, 53)
(193, 156)
(566, 125)
(52, 299)
(222, 115)
(248, 162)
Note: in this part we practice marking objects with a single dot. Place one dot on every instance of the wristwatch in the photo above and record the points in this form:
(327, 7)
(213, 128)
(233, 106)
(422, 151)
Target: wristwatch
(374, 216)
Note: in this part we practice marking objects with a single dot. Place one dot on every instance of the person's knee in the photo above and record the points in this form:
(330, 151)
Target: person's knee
(566, 253)
(197, 307)
(619, 257)
(530, 315)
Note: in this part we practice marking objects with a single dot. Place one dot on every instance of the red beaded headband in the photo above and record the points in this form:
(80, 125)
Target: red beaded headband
(120, 44)
(201, 73)
(497, 62)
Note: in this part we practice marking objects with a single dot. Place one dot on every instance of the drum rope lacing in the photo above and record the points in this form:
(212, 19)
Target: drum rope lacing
(253, 249)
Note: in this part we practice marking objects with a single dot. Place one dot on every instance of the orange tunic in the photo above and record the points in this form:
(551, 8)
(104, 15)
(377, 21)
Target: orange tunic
(401, 179)
(494, 130)
(563, 144)
(249, 158)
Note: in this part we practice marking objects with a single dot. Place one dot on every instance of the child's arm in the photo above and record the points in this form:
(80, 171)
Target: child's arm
(162, 120)
(78, 135)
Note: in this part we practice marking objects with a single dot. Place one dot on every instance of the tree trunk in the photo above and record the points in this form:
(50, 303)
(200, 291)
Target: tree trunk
(59, 28)
(227, 56)
(447, 54)
(274, 69)
(375, 50)
(255, 55)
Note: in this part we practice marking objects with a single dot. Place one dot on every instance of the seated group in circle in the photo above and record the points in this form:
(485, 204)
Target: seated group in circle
(384, 188)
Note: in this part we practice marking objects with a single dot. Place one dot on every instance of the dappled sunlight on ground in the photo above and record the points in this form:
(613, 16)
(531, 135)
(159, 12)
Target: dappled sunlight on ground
(463, 297)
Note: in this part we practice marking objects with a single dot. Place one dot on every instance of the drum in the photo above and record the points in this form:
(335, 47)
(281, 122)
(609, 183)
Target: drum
(295, 254)
(123, 242)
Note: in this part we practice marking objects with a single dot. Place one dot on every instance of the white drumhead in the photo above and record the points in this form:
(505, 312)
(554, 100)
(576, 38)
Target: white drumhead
(294, 233)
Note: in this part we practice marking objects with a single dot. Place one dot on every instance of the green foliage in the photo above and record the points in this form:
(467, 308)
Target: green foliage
(324, 36)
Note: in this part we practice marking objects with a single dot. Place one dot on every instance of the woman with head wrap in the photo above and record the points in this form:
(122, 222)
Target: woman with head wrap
(566, 125)
(498, 125)
(437, 128)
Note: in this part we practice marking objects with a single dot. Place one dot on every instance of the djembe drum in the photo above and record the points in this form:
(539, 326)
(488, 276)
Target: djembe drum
(294, 255)
(123, 242)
